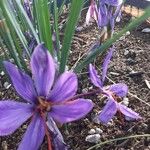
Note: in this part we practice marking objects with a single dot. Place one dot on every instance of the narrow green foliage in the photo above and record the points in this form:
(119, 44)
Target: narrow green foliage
(8, 41)
(56, 29)
(43, 21)
(104, 47)
(26, 20)
(12, 21)
(76, 7)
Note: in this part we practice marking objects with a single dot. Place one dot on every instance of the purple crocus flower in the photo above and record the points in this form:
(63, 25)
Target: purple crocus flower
(112, 92)
(43, 99)
(108, 11)
(92, 12)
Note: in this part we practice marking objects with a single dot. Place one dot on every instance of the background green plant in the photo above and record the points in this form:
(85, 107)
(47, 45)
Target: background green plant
(14, 23)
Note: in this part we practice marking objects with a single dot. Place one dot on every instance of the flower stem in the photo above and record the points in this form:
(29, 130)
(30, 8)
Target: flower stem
(85, 94)
(46, 132)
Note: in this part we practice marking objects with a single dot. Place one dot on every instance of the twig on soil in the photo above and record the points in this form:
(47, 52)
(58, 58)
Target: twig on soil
(79, 58)
(117, 139)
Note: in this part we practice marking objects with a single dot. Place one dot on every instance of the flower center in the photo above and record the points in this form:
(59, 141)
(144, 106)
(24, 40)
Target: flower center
(43, 104)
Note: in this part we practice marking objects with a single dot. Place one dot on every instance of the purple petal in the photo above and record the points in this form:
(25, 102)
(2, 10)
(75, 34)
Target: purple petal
(34, 135)
(22, 82)
(128, 112)
(119, 89)
(13, 115)
(94, 76)
(64, 88)
(43, 69)
(57, 137)
(108, 111)
(71, 111)
(91, 13)
(105, 64)
(103, 17)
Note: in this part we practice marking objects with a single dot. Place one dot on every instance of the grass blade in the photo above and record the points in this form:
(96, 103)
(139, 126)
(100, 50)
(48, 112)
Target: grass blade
(76, 7)
(27, 20)
(10, 17)
(56, 29)
(43, 21)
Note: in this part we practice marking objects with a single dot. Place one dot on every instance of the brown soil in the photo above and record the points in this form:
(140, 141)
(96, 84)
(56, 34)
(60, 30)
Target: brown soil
(137, 44)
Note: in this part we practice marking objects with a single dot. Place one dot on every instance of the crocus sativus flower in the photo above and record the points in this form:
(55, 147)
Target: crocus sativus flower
(43, 98)
(112, 92)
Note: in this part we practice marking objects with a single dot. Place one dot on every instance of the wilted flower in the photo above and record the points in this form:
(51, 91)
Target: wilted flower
(113, 93)
(108, 11)
(92, 12)
(44, 99)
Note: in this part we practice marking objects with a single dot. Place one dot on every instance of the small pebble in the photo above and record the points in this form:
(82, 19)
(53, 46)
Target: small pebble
(125, 101)
(7, 85)
(84, 90)
(96, 120)
(126, 52)
(128, 33)
(4, 145)
(110, 123)
(92, 131)
(95, 138)
(146, 30)
(67, 68)
(98, 130)
(128, 118)
(2, 73)
(79, 29)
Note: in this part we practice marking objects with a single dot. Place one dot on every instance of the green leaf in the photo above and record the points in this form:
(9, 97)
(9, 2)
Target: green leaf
(76, 7)
(26, 20)
(43, 21)
(100, 50)
(8, 41)
(8, 13)
(56, 29)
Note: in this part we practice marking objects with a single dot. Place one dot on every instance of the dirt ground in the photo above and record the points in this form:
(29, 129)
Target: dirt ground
(130, 64)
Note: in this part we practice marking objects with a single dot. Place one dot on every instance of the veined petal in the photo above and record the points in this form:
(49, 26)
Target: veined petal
(43, 70)
(71, 111)
(103, 17)
(22, 82)
(105, 63)
(128, 112)
(34, 135)
(13, 115)
(119, 89)
(64, 88)
(108, 111)
(94, 76)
